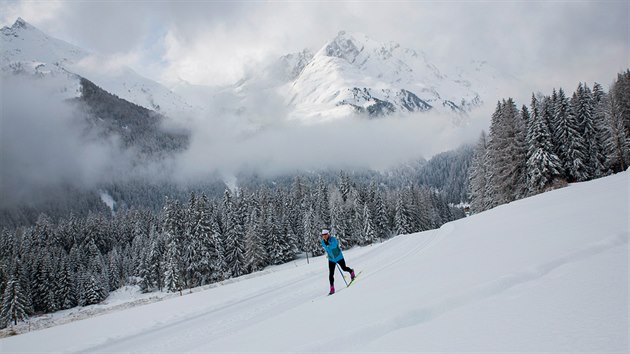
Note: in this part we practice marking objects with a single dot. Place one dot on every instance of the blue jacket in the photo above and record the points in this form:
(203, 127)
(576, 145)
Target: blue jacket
(332, 249)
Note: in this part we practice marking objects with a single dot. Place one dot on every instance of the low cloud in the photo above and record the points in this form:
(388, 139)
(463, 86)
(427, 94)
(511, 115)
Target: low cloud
(353, 142)
(45, 143)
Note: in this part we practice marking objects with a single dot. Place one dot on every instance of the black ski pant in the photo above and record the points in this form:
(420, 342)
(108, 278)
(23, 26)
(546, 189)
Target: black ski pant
(331, 270)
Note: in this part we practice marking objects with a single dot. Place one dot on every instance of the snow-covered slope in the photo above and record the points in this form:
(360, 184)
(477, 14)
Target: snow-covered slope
(543, 274)
(25, 49)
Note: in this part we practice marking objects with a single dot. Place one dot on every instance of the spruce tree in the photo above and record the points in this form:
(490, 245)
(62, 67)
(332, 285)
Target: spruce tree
(369, 230)
(479, 176)
(311, 233)
(543, 166)
(577, 147)
(255, 252)
(344, 186)
(235, 241)
(562, 130)
(156, 260)
(275, 239)
(67, 292)
(172, 272)
(44, 297)
(202, 233)
(216, 251)
(620, 92)
(115, 270)
(94, 291)
(192, 261)
(520, 148)
(291, 243)
(617, 145)
(359, 222)
(322, 205)
(381, 222)
(496, 144)
(600, 132)
(586, 110)
(402, 218)
(14, 303)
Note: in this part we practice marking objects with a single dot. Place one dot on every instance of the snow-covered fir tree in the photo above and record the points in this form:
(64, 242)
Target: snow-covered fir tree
(216, 252)
(479, 175)
(67, 288)
(588, 138)
(255, 251)
(506, 152)
(156, 260)
(381, 219)
(172, 271)
(369, 228)
(543, 166)
(616, 143)
(402, 219)
(14, 303)
(577, 146)
(235, 239)
(311, 233)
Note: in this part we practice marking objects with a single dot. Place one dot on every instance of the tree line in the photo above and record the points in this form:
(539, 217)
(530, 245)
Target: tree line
(78, 261)
(556, 140)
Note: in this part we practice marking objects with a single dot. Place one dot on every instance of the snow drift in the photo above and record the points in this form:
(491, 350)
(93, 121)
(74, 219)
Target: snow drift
(548, 273)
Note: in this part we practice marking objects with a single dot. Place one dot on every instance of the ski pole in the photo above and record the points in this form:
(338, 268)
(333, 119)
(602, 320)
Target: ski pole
(342, 277)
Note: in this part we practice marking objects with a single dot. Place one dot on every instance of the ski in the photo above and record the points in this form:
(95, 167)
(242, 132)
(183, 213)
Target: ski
(355, 278)
(350, 283)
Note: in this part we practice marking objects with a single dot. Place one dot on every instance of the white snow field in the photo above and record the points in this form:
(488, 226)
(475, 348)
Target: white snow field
(543, 274)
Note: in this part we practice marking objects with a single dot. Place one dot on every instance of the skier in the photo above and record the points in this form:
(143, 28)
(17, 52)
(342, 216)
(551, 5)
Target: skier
(331, 245)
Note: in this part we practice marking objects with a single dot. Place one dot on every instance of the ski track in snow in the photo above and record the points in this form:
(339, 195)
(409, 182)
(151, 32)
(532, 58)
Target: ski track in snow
(205, 329)
(420, 315)
(202, 328)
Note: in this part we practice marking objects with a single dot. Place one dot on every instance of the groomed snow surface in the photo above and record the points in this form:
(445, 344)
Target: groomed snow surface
(543, 274)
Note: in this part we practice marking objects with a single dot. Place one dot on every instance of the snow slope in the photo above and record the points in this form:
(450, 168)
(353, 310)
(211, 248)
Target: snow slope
(547, 273)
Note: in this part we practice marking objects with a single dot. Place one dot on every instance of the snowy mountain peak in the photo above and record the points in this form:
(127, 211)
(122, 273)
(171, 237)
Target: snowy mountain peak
(18, 25)
(353, 73)
(24, 49)
(293, 64)
(358, 49)
(24, 42)
(25, 30)
(345, 46)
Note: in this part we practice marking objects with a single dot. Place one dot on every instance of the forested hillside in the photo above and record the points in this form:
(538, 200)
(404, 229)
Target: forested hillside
(78, 261)
(556, 140)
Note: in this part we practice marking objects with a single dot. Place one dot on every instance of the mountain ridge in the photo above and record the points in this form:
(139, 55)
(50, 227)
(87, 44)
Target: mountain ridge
(351, 74)
(28, 50)
(354, 74)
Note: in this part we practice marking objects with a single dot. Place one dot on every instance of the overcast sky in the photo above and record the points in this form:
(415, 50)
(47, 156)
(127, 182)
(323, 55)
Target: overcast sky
(544, 43)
